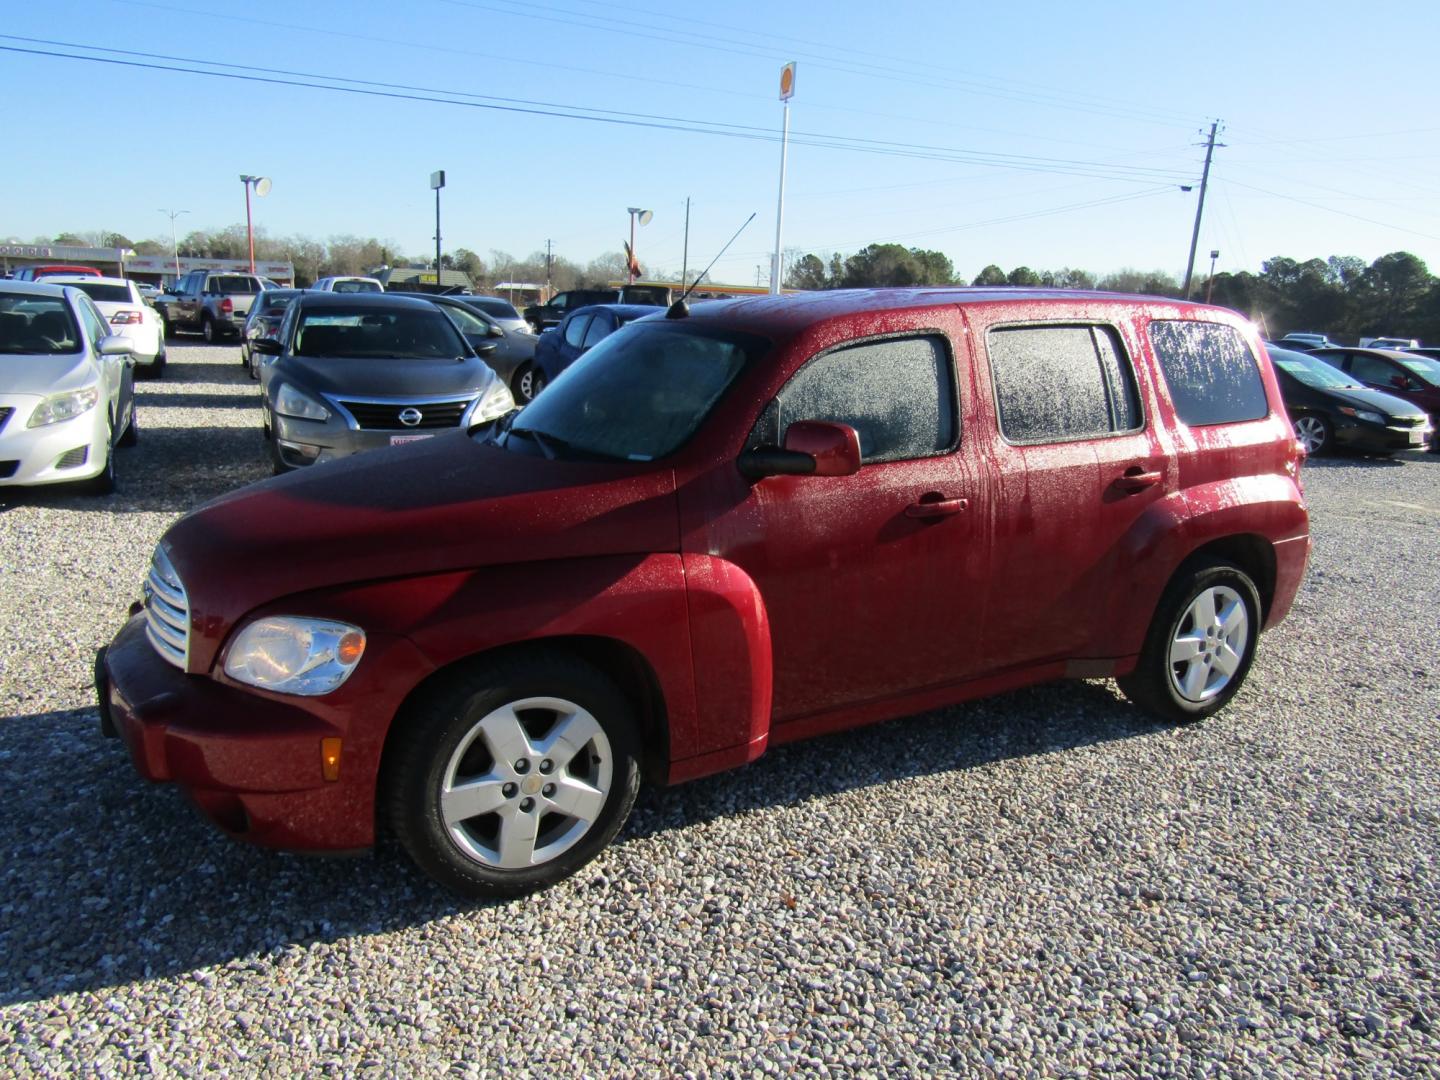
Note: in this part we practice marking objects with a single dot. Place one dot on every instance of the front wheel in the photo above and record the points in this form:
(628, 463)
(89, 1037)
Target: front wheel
(522, 386)
(512, 775)
(1200, 645)
(1314, 434)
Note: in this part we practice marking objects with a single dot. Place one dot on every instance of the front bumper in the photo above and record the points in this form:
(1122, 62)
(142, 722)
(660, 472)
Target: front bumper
(1359, 435)
(34, 455)
(249, 760)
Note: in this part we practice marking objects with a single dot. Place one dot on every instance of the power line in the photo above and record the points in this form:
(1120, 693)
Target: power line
(400, 91)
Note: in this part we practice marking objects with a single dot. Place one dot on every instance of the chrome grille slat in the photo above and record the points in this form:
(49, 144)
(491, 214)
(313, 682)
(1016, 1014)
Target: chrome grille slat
(167, 611)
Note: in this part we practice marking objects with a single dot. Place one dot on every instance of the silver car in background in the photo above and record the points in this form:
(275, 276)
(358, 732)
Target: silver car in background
(67, 389)
(357, 371)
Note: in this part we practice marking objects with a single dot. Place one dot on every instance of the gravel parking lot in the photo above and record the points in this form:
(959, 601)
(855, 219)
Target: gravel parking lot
(1043, 883)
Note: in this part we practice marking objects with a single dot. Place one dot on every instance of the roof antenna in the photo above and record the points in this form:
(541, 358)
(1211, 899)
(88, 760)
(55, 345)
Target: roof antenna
(679, 309)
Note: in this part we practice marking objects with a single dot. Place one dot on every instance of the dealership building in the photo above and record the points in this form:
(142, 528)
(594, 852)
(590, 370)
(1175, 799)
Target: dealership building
(123, 262)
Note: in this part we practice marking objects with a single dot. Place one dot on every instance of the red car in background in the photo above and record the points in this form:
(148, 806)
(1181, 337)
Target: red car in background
(720, 530)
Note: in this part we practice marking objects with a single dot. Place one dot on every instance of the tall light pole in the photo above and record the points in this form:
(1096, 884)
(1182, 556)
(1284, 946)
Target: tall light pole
(1210, 145)
(787, 91)
(437, 181)
(644, 216)
(261, 184)
(174, 242)
(1210, 285)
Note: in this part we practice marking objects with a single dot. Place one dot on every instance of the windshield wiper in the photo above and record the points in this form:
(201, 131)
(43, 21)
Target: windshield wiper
(550, 445)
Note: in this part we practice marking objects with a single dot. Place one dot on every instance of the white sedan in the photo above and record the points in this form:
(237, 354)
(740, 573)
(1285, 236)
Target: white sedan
(66, 388)
(124, 307)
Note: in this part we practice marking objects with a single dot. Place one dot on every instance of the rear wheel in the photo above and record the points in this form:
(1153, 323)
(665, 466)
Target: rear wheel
(1315, 434)
(538, 382)
(512, 774)
(207, 330)
(1200, 645)
(132, 429)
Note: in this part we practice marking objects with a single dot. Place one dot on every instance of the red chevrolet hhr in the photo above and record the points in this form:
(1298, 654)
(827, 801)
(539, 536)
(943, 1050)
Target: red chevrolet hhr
(719, 530)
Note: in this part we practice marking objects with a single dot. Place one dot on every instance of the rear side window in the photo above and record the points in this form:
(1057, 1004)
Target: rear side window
(898, 395)
(234, 284)
(1054, 383)
(1212, 374)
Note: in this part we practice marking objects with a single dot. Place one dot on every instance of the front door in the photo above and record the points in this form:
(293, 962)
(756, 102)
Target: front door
(873, 583)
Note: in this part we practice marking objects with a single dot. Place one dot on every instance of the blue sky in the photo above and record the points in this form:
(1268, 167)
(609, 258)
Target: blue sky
(1042, 134)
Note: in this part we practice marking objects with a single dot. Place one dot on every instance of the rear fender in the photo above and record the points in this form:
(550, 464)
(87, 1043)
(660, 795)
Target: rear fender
(1267, 508)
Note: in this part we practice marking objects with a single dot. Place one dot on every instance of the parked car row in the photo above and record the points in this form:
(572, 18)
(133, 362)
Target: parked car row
(1330, 408)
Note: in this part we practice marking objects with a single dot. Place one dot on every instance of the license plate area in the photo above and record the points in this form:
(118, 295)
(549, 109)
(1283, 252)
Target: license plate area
(400, 440)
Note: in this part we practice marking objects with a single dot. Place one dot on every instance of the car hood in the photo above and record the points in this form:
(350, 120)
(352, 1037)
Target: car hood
(44, 374)
(383, 377)
(1375, 400)
(449, 503)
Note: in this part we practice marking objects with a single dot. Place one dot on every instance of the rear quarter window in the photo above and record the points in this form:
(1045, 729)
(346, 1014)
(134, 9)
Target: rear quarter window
(1213, 376)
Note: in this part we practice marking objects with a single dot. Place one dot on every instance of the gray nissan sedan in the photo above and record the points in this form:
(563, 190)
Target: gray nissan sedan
(357, 371)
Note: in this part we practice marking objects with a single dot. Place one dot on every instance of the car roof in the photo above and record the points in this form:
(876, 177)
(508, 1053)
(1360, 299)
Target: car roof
(377, 301)
(794, 312)
(633, 311)
(33, 288)
(84, 279)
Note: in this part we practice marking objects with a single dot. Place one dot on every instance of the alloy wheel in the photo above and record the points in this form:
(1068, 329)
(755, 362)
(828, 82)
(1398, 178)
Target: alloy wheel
(1310, 431)
(1209, 643)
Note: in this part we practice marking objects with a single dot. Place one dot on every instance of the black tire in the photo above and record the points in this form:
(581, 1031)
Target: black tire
(444, 722)
(169, 329)
(208, 331)
(156, 369)
(1153, 685)
(104, 484)
(538, 383)
(522, 383)
(1315, 433)
(277, 463)
(132, 429)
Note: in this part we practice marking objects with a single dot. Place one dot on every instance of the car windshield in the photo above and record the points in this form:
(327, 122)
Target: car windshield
(639, 394)
(36, 325)
(106, 293)
(1310, 371)
(402, 335)
(1427, 368)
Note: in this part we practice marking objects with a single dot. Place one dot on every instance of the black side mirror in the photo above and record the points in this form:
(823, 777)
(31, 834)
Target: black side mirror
(268, 346)
(485, 348)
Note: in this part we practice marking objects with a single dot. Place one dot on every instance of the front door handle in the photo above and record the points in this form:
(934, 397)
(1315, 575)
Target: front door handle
(1137, 479)
(935, 507)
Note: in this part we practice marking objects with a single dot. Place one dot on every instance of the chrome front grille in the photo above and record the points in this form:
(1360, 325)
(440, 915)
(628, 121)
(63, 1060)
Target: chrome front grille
(381, 415)
(167, 611)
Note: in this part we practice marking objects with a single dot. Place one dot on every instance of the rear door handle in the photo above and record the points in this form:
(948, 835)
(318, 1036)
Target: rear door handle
(936, 508)
(1137, 479)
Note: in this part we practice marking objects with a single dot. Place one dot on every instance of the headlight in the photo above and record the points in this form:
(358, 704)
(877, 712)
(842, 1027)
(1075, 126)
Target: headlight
(291, 402)
(295, 656)
(495, 404)
(1362, 414)
(67, 406)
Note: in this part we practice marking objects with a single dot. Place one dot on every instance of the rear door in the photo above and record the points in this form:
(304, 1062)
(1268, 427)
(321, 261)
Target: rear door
(1077, 463)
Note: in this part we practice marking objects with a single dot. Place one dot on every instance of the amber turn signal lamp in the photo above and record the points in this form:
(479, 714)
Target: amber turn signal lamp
(330, 758)
(348, 651)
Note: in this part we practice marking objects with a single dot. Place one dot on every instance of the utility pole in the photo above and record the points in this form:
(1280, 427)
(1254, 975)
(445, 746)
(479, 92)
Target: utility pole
(547, 268)
(1200, 206)
(685, 251)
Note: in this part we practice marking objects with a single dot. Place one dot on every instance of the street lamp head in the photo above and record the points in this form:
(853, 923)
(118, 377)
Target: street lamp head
(1215, 254)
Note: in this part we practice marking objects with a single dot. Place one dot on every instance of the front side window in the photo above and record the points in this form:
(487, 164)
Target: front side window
(1054, 383)
(1426, 368)
(897, 393)
(638, 395)
(600, 328)
(1212, 374)
(95, 325)
(1370, 369)
(575, 330)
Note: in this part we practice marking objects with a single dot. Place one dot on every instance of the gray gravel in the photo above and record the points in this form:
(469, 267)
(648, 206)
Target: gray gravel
(1046, 883)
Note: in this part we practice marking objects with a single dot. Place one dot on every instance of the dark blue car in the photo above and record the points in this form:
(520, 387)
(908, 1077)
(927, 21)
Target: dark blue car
(579, 331)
